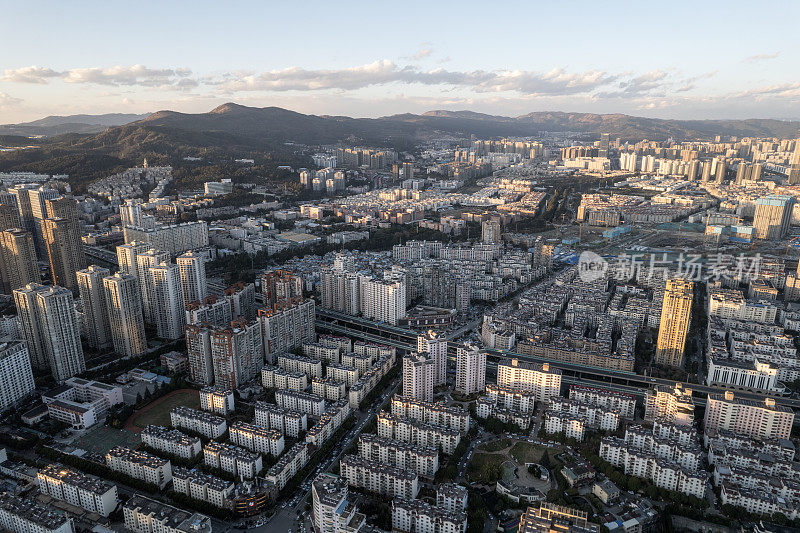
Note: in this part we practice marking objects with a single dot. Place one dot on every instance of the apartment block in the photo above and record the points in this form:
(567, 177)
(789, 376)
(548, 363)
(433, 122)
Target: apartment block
(298, 363)
(286, 421)
(201, 422)
(407, 430)
(431, 413)
(203, 487)
(91, 493)
(470, 370)
(329, 389)
(140, 465)
(378, 478)
(288, 465)
(419, 372)
(16, 374)
(543, 381)
(25, 515)
(344, 344)
(624, 403)
(333, 510)
(241, 463)
(673, 404)
(171, 441)
(422, 517)
(275, 377)
(346, 374)
(317, 350)
(257, 438)
(750, 418)
(328, 423)
(602, 418)
(217, 400)
(420, 459)
(305, 402)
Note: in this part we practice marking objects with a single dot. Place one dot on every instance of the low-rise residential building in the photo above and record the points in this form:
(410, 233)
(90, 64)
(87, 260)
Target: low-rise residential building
(171, 441)
(329, 389)
(346, 374)
(76, 488)
(414, 431)
(241, 463)
(323, 352)
(288, 465)
(378, 478)
(140, 465)
(543, 381)
(143, 515)
(81, 403)
(275, 377)
(423, 460)
(203, 487)
(305, 402)
(206, 424)
(286, 421)
(750, 418)
(432, 413)
(217, 400)
(256, 438)
(17, 514)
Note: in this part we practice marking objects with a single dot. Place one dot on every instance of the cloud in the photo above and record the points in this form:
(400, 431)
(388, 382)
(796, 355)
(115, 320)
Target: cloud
(556, 81)
(7, 101)
(32, 74)
(639, 85)
(689, 83)
(138, 75)
(760, 57)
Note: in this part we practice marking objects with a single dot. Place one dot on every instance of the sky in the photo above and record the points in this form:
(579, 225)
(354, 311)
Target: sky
(682, 60)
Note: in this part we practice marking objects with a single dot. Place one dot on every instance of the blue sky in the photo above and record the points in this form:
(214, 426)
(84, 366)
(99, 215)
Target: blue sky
(670, 60)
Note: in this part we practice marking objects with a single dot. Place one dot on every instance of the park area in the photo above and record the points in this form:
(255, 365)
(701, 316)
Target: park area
(492, 459)
(157, 412)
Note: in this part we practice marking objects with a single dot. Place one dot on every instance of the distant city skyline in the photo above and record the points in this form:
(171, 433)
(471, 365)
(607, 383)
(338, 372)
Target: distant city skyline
(688, 61)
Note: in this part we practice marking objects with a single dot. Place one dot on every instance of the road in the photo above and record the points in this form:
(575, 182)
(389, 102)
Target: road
(286, 517)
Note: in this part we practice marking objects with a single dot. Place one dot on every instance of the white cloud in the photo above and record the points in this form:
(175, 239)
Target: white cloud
(760, 57)
(138, 75)
(7, 101)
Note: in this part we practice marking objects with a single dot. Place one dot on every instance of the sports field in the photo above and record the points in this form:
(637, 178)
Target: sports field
(157, 412)
(102, 438)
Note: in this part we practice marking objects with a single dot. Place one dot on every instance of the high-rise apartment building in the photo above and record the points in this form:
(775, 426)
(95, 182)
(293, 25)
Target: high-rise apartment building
(193, 277)
(285, 327)
(18, 265)
(169, 313)
(491, 231)
(676, 311)
(673, 405)
(470, 370)
(61, 234)
(773, 216)
(280, 286)
(124, 307)
(126, 257)
(794, 164)
(21, 194)
(93, 300)
(334, 511)
(383, 300)
(9, 217)
(436, 348)
(144, 262)
(198, 350)
(418, 375)
(50, 325)
(237, 353)
(16, 374)
(38, 196)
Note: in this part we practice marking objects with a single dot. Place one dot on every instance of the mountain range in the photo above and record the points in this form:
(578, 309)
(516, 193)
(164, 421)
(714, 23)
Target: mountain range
(59, 125)
(233, 124)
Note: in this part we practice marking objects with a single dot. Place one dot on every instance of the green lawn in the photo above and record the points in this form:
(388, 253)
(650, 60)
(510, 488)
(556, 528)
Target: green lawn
(525, 452)
(495, 445)
(157, 413)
